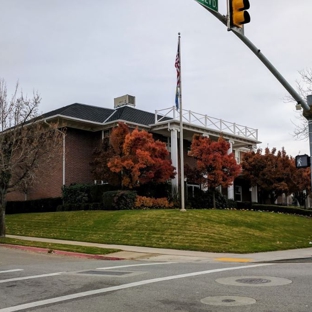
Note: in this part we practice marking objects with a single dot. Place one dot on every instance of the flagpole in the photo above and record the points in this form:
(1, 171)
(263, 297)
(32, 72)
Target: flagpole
(181, 134)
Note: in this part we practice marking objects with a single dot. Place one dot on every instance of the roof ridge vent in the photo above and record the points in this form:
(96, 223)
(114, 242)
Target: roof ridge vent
(124, 100)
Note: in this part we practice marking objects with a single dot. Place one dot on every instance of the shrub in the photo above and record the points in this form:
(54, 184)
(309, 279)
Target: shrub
(76, 194)
(97, 191)
(204, 199)
(244, 205)
(149, 202)
(119, 200)
(85, 193)
(231, 203)
(155, 190)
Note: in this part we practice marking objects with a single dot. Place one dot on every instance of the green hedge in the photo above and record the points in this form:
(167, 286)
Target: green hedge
(84, 206)
(85, 193)
(155, 190)
(39, 205)
(244, 205)
(112, 200)
(204, 199)
(282, 209)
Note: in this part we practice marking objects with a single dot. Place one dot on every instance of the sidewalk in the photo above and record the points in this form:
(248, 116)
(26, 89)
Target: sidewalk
(159, 254)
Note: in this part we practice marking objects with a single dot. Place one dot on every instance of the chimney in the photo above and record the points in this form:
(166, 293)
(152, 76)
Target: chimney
(124, 100)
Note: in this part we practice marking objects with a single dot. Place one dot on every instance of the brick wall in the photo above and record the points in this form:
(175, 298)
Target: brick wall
(48, 181)
(79, 146)
(79, 149)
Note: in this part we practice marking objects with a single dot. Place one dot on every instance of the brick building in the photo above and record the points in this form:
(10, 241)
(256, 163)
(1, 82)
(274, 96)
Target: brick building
(86, 126)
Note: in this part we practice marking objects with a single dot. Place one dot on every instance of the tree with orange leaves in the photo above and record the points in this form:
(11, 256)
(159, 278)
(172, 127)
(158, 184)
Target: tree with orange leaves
(137, 158)
(275, 173)
(111, 147)
(301, 183)
(216, 166)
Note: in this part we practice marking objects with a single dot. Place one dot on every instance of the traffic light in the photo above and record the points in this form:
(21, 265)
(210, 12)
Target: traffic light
(238, 16)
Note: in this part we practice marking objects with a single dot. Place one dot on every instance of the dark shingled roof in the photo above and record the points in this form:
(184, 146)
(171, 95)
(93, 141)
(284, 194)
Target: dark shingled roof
(82, 111)
(132, 114)
(103, 115)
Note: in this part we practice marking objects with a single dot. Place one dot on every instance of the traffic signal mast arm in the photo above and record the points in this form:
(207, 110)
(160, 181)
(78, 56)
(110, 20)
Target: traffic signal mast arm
(272, 69)
(224, 20)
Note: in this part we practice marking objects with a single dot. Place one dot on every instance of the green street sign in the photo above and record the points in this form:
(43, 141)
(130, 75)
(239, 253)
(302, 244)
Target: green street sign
(210, 4)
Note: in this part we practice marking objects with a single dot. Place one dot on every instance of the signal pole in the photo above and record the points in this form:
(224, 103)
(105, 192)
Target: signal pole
(308, 116)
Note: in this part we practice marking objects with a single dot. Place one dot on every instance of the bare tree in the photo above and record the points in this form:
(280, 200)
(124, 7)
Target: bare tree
(304, 87)
(25, 142)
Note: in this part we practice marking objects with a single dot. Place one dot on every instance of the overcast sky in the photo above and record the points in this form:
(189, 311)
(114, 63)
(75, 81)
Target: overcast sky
(91, 51)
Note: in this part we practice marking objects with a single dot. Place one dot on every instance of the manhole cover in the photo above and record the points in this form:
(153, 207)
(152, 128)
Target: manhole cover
(228, 301)
(253, 280)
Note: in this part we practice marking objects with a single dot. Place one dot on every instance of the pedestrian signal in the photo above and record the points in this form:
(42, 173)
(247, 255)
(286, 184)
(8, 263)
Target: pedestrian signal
(302, 161)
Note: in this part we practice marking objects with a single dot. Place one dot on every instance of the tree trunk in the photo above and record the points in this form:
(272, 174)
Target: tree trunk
(2, 221)
(2, 215)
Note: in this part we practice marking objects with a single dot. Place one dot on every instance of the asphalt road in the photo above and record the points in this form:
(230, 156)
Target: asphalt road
(47, 282)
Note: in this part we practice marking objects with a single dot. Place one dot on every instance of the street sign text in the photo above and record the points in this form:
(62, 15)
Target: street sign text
(211, 4)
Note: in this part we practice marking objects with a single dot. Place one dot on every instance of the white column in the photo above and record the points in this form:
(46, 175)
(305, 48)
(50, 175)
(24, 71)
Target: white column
(175, 160)
(231, 187)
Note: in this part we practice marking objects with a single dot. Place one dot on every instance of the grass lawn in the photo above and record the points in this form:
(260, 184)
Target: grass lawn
(202, 230)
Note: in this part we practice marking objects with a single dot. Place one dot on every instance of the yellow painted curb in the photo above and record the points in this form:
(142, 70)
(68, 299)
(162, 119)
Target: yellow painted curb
(234, 259)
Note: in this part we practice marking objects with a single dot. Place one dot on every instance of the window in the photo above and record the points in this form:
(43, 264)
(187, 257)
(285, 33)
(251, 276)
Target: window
(238, 193)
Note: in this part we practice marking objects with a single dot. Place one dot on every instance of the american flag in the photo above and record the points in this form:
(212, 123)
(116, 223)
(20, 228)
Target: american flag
(178, 67)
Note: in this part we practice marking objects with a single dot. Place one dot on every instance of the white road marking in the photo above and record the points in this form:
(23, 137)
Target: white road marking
(9, 271)
(28, 277)
(133, 265)
(124, 286)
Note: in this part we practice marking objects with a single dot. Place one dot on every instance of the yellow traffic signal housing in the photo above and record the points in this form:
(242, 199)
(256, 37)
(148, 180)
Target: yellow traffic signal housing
(238, 16)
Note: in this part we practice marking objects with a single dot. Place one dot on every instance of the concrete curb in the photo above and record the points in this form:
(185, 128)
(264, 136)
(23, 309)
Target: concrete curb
(127, 252)
(61, 252)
